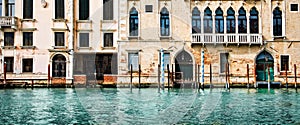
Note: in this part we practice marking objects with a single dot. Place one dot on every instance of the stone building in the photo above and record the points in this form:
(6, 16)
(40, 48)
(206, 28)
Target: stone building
(260, 33)
(90, 41)
(35, 34)
(95, 36)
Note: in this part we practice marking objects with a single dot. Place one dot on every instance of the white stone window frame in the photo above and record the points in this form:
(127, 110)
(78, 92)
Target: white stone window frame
(170, 22)
(77, 15)
(113, 41)
(78, 40)
(165, 66)
(33, 37)
(65, 39)
(32, 64)
(289, 69)
(139, 18)
(290, 9)
(128, 59)
(53, 10)
(282, 21)
(220, 71)
(33, 10)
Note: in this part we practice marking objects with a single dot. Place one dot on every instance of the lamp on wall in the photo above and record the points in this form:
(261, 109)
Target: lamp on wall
(44, 3)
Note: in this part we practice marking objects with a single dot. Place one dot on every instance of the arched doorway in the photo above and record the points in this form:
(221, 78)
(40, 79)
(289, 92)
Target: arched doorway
(184, 67)
(264, 62)
(59, 66)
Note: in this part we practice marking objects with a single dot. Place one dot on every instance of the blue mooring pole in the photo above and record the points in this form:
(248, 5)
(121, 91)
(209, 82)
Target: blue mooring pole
(202, 68)
(162, 71)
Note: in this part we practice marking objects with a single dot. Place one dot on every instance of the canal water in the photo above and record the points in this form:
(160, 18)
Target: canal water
(148, 106)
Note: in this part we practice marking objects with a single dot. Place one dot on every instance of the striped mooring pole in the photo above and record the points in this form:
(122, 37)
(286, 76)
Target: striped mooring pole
(162, 72)
(202, 68)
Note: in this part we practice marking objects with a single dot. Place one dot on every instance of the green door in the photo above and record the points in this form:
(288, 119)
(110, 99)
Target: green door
(184, 66)
(264, 63)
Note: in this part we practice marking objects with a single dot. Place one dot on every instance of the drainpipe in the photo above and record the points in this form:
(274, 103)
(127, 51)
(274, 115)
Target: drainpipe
(71, 38)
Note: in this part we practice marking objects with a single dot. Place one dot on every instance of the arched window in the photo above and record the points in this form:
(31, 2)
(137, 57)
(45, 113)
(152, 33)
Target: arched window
(196, 21)
(230, 21)
(277, 22)
(219, 20)
(207, 22)
(164, 22)
(242, 21)
(59, 66)
(254, 20)
(134, 22)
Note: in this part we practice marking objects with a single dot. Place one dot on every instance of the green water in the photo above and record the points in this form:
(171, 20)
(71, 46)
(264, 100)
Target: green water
(147, 106)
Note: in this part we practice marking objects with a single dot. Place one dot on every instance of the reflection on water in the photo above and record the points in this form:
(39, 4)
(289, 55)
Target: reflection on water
(147, 106)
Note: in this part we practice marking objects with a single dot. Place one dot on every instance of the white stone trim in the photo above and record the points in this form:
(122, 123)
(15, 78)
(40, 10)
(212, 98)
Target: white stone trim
(289, 69)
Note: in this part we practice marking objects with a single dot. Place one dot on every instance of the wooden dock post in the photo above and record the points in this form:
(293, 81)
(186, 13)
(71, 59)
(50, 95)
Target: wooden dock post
(227, 76)
(269, 77)
(130, 77)
(248, 76)
(295, 72)
(5, 70)
(254, 76)
(168, 76)
(158, 77)
(228, 73)
(32, 84)
(198, 76)
(286, 78)
(210, 75)
(139, 75)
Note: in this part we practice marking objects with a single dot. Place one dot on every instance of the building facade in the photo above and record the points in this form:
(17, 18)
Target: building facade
(35, 34)
(95, 43)
(231, 35)
(89, 41)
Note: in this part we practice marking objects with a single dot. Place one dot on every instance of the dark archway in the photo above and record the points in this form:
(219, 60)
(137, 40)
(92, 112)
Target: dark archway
(59, 66)
(184, 66)
(264, 62)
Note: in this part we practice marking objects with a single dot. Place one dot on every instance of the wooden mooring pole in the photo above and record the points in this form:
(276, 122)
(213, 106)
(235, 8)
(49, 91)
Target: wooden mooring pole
(140, 75)
(210, 75)
(269, 79)
(168, 68)
(158, 77)
(228, 73)
(32, 84)
(130, 77)
(286, 78)
(254, 76)
(295, 72)
(248, 76)
(5, 70)
(199, 81)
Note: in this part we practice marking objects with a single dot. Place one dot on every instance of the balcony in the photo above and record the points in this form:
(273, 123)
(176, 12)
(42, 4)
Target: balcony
(7, 21)
(227, 39)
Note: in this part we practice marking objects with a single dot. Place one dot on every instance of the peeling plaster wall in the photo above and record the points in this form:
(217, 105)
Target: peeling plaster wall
(43, 28)
(239, 55)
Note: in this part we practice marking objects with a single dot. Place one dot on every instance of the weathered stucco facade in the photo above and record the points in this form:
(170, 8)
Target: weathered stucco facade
(38, 49)
(101, 39)
(241, 48)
